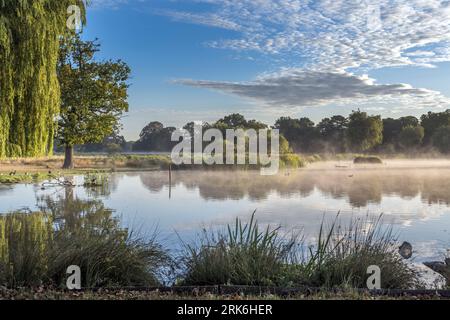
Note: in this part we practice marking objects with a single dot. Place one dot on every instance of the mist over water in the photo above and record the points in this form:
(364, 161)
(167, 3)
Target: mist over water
(414, 196)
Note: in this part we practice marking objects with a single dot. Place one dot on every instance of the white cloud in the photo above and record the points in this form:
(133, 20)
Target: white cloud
(296, 87)
(324, 40)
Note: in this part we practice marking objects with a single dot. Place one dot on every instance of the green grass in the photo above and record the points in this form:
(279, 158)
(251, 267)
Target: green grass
(37, 248)
(246, 255)
(341, 257)
(14, 178)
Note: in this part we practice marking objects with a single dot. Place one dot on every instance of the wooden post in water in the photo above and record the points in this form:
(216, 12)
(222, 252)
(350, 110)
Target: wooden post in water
(170, 181)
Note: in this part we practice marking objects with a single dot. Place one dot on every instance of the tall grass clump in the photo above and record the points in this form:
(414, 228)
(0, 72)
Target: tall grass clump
(246, 255)
(342, 256)
(37, 248)
(25, 239)
(243, 254)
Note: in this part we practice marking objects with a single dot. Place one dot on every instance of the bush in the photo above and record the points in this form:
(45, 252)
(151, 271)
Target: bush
(342, 256)
(367, 160)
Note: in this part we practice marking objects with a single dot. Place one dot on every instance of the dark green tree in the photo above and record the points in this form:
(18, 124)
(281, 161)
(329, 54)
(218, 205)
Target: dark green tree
(333, 132)
(432, 121)
(301, 133)
(411, 137)
(441, 139)
(391, 130)
(234, 121)
(155, 137)
(409, 121)
(364, 132)
(93, 95)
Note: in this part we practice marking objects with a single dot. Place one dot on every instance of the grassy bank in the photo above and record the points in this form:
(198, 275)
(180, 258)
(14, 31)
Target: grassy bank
(246, 255)
(130, 294)
(12, 178)
(36, 249)
(84, 163)
(122, 162)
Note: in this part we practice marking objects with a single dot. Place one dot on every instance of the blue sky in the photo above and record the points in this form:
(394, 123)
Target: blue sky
(198, 60)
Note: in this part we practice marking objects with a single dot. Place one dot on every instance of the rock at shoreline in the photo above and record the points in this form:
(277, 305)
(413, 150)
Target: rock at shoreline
(443, 268)
(429, 279)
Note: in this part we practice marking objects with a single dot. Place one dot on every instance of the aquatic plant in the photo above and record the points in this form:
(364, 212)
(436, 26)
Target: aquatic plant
(25, 240)
(37, 248)
(340, 257)
(242, 255)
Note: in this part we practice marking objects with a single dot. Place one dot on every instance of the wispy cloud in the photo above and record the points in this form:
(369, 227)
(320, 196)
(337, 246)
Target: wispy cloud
(335, 33)
(210, 19)
(112, 4)
(326, 40)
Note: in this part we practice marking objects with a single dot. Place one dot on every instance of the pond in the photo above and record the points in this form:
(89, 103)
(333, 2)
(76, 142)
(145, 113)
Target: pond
(415, 199)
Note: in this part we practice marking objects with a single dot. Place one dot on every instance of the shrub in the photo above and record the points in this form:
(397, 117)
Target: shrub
(367, 160)
(342, 256)
(244, 255)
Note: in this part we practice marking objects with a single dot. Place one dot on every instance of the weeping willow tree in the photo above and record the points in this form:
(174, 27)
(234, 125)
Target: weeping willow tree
(30, 31)
(25, 240)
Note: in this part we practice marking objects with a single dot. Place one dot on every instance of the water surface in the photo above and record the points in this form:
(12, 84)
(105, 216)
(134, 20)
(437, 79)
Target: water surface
(416, 200)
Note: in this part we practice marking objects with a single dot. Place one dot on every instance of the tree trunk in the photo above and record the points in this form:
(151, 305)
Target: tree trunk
(68, 158)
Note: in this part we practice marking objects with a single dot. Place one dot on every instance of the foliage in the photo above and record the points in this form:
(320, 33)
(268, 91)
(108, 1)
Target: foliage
(37, 248)
(243, 255)
(93, 94)
(30, 98)
(301, 133)
(411, 137)
(432, 121)
(364, 132)
(247, 256)
(155, 137)
(12, 178)
(441, 139)
(342, 255)
(25, 240)
(333, 131)
(367, 159)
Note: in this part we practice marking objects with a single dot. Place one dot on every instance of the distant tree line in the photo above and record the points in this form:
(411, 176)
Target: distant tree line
(156, 137)
(359, 132)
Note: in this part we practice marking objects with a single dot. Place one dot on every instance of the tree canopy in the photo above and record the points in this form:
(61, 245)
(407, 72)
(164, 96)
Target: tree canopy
(93, 94)
(30, 31)
(364, 132)
(155, 137)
